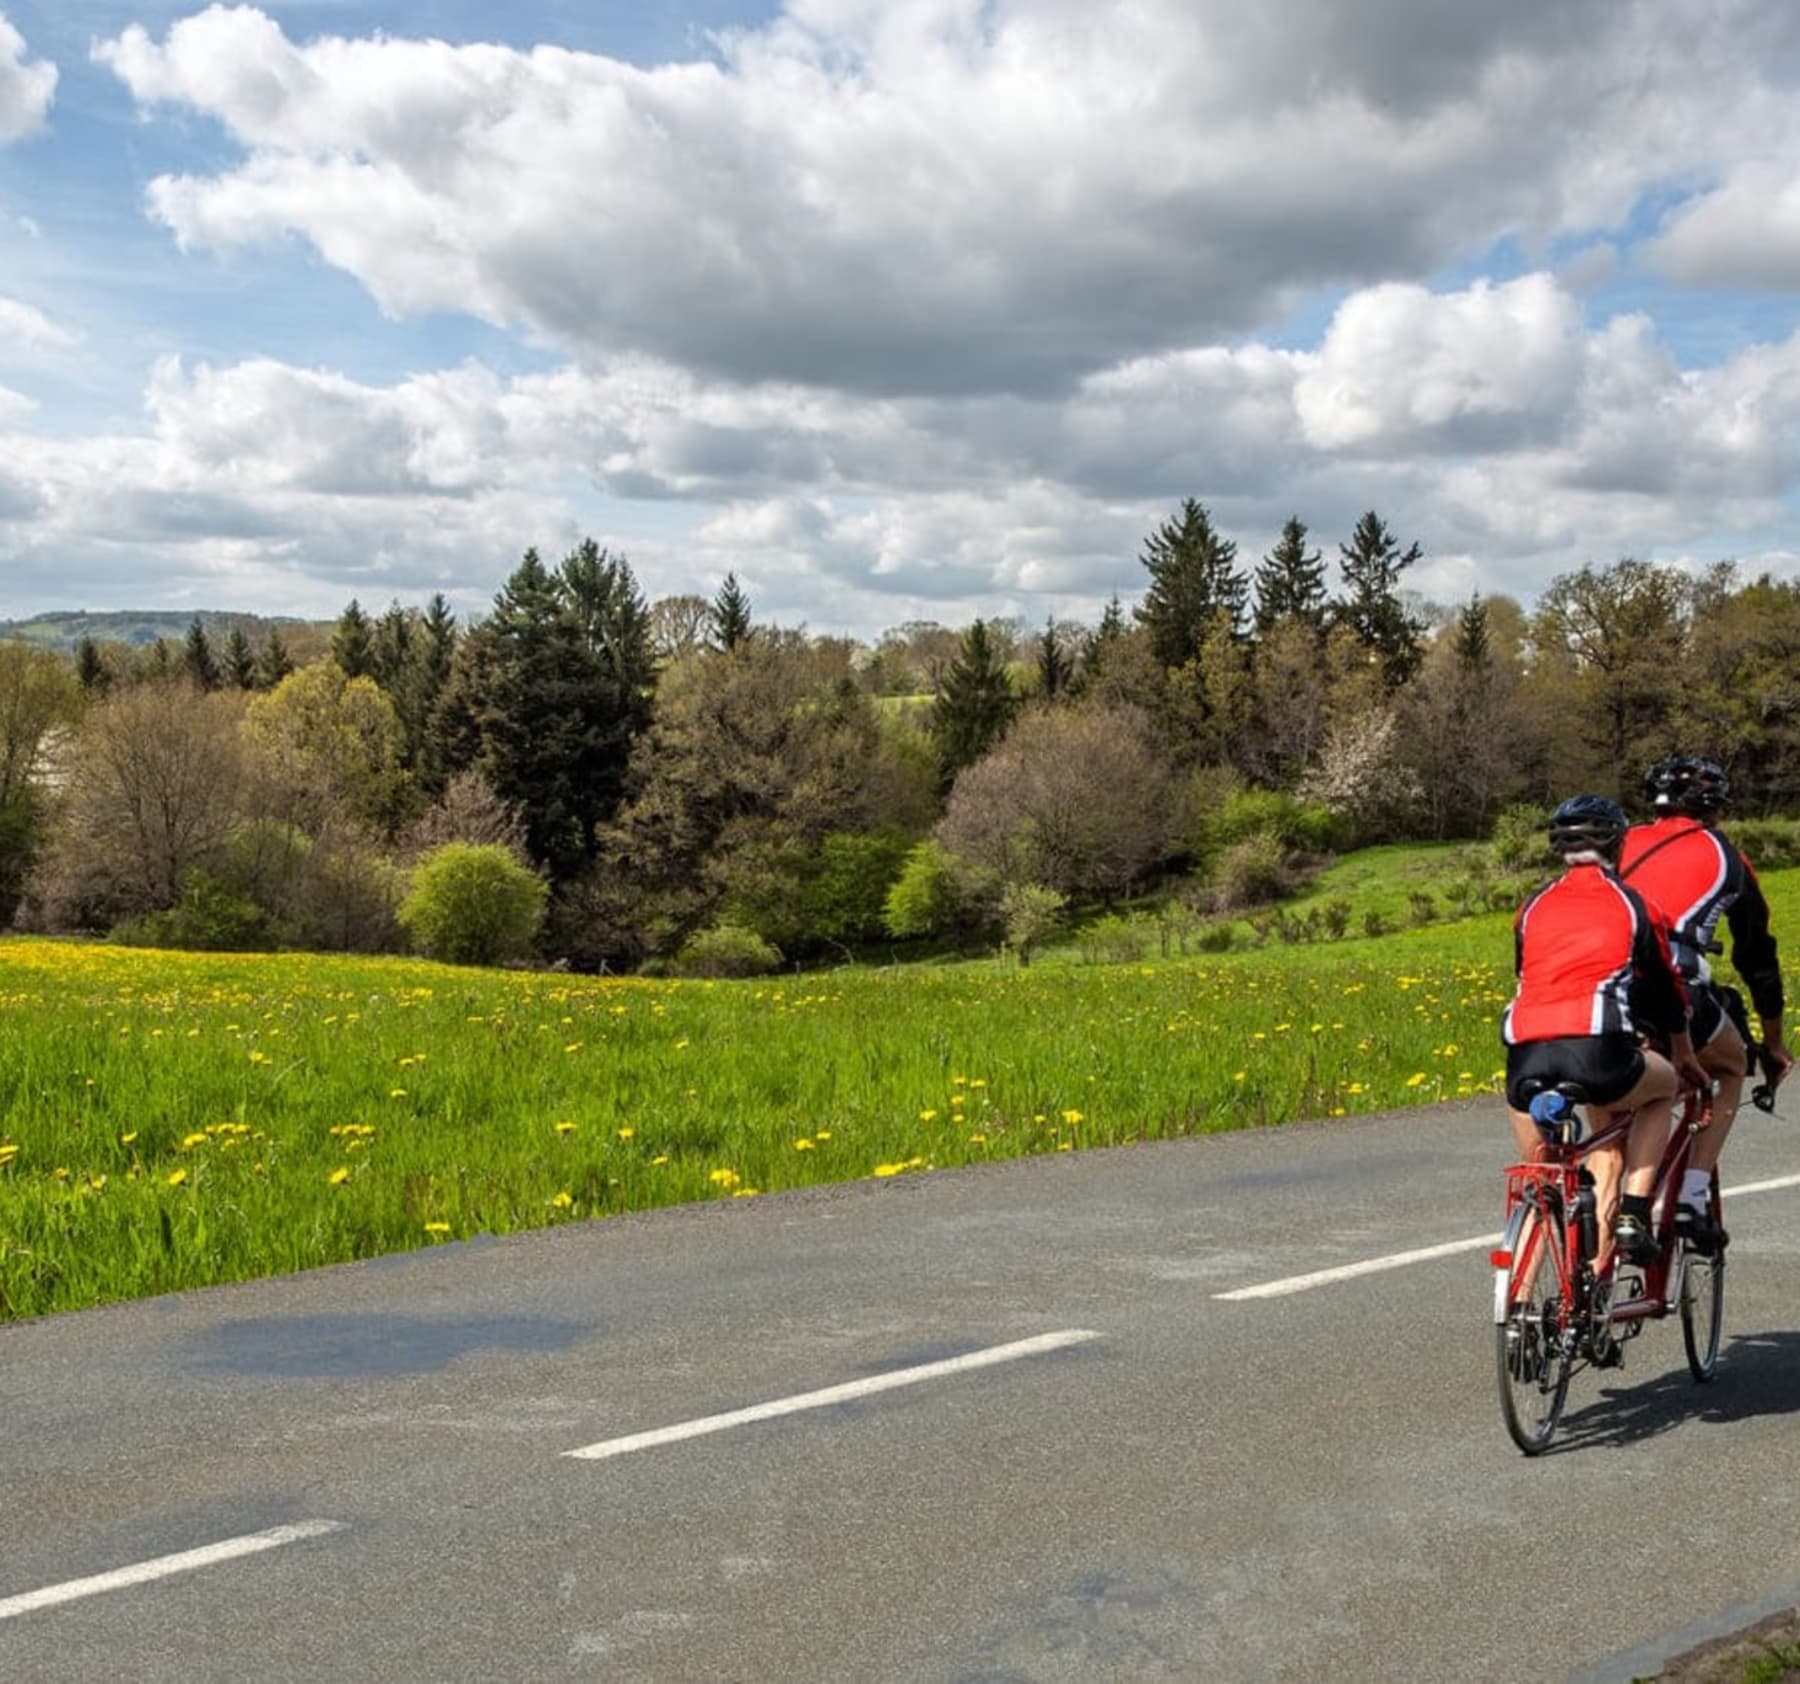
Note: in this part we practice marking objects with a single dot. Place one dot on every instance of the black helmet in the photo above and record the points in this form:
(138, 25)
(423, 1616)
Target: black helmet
(1588, 824)
(1685, 783)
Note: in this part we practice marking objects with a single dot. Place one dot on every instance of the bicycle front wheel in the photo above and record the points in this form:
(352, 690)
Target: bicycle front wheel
(1702, 1313)
(1533, 1358)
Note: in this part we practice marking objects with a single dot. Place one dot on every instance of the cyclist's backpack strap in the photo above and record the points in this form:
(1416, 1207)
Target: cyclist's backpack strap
(1651, 853)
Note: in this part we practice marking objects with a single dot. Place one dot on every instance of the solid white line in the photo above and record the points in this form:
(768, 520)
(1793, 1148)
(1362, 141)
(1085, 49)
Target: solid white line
(1426, 1254)
(1349, 1271)
(833, 1394)
(163, 1566)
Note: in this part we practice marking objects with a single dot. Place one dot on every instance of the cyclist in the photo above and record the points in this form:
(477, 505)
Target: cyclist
(1679, 861)
(1592, 961)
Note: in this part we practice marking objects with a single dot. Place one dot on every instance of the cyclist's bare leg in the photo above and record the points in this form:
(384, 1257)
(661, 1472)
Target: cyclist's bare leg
(1653, 1100)
(1525, 1136)
(1725, 1060)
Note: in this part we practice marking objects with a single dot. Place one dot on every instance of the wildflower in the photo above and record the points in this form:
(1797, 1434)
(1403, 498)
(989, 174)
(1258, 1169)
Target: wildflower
(663, 1159)
(928, 1116)
(176, 1177)
(626, 1133)
(978, 1140)
(573, 1047)
(563, 1201)
(1238, 1076)
(1071, 1117)
(192, 1140)
(437, 1227)
(97, 1182)
(885, 1170)
(338, 1176)
(746, 1192)
(396, 1093)
(724, 1178)
(803, 1145)
(565, 1128)
(822, 1134)
(979, 1082)
(126, 1139)
(1417, 1080)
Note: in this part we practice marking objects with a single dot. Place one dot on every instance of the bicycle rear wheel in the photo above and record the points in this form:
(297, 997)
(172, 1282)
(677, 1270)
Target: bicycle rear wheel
(1702, 1313)
(1533, 1359)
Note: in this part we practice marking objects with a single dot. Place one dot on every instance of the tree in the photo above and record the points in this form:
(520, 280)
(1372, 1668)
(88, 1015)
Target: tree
(1030, 914)
(1741, 695)
(469, 811)
(1055, 665)
(150, 792)
(678, 625)
(273, 662)
(40, 698)
(1474, 646)
(547, 699)
(390, 648)
(1192, 578)
(730, 615)
(973, 707)
(1074, 799)
(472, 905)
(1290, 688)
(239, 665)
(327, 748)
(1372, 563)
(353, 642)
(1622, 628)
(1290, 583)
(90, 668)
(197, 658)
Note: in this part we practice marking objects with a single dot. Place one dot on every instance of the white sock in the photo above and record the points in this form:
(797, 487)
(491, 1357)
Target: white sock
(1696, 1189)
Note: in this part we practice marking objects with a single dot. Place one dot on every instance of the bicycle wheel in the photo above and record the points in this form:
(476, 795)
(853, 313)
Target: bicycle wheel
(1532, 1357)
(1702, 1313)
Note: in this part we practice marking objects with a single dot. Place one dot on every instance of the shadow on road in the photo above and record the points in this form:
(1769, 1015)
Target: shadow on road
(356, 1346)
(1759, 1374)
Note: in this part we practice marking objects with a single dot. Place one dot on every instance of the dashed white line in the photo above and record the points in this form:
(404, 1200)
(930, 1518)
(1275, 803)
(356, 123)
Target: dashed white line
(846, 1393)
(1427, 1254)
(163, 1566)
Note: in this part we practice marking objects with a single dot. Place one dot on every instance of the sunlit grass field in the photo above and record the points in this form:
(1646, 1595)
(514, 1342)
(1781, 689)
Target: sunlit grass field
(173, 1120)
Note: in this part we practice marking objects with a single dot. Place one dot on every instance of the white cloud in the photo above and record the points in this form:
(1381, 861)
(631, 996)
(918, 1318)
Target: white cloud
(1744, 233)
(26, 88)
(25, 326)
(919, 196)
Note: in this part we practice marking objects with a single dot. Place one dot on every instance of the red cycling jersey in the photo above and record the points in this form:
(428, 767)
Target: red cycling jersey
(1686, 867)
(1587, 950)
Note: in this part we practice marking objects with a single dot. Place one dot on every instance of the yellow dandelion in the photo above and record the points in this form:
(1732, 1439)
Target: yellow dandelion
(1071, 1117)
(573, 1047)
(338, 1176)
(1417, 1080)
(626, 1134)
(928, 1116)
(192, 1140)
(563, 1201)
(885, 1170)
(126, 1139)
(176, 1177)
(396, 1093)
(437, 1227)
(663, 1159)
(803, 1145)
(821, 1134)
(565, 1128)
(978, 1140)
(724, 1178)
(1239, 1075)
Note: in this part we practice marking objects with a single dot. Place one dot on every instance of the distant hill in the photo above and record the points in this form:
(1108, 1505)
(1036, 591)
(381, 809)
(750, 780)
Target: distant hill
(63, 630)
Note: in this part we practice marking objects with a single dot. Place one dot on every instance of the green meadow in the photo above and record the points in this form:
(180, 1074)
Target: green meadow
(174, 1120)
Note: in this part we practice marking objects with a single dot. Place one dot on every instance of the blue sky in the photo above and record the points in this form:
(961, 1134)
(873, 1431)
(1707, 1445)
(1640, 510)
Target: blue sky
(913, 309)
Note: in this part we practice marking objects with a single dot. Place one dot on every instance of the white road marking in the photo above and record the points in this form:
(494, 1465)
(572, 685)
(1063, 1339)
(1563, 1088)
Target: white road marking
(1426, 1254)
(845, 1393)
(1349, 1271)
(164, 1566)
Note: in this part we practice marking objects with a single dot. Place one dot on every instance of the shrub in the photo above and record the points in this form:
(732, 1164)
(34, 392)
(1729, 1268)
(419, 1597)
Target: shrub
(1252, 871)
(1214, 938)
(1115, 941)
(1374, 924)
(1520, 840)
(726, 950)
(937, 893)
(1030, 914)
(1424, 908)
(210, 917)
(1337, 919)
(1298, 826)
(1769, 844)
(473, 904)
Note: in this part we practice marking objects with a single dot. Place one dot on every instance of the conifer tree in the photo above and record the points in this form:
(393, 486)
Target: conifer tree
(90, 668)
(1192, 577)
(1372, 563)
(390, 648)
(974, 705)
(197, 658)
(730, 615)
(239, 663)
(273, 663)
(1473, 641)
(1291, 582)
(353, 642)
(1056, 667)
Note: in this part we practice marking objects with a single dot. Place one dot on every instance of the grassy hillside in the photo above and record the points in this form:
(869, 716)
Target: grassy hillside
(169, 1120)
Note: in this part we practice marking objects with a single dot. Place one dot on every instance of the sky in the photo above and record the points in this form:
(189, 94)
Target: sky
(899, 309)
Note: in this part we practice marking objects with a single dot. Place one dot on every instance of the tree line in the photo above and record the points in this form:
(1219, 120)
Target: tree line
(675, 782)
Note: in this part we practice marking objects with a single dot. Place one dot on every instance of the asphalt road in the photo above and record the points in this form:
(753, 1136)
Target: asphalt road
(1308, 1486)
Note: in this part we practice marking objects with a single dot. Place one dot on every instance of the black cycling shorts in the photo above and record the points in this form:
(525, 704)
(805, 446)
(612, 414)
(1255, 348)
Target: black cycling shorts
(1706, 1013)
(1607, 1067)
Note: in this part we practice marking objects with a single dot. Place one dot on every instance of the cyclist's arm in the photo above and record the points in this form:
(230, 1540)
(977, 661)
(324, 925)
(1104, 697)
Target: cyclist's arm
(1753, 948)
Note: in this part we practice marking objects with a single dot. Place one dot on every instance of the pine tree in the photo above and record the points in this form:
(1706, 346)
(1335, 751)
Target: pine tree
(431, 659)
(1372, 563)
(273, 663)
(973, 707)
(390, 648)
(1192, 577)
(90, 668)
(239, 664)
(1291, 582)
(1474, 644)
(197, 658)
(1055, 664)
(730, 615)
(353, 642)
